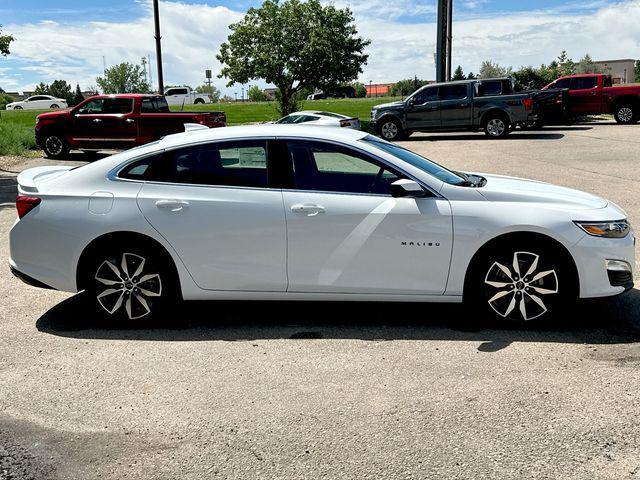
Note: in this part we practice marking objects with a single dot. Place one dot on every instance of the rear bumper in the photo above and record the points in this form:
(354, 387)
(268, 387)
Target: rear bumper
(27, 279)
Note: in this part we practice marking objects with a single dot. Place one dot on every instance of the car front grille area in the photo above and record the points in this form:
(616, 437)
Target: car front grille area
(619, 278)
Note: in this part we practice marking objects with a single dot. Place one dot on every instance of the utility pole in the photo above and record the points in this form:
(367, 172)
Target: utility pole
(150, 75)
(443, 40)
(156, 20)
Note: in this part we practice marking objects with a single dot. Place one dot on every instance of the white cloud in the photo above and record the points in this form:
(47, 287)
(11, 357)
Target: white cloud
(192, 35)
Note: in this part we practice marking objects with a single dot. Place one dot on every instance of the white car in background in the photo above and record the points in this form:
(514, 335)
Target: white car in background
(38, 102)
(323, 119)
(186, 96)
(285, 212)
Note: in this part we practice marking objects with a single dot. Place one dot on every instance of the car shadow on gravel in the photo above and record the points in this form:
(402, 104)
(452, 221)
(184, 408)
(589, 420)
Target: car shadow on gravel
(517, 135)
(613, 321)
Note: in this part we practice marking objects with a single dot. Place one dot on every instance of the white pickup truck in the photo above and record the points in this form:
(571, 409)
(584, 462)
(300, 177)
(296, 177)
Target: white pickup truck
(185, 96)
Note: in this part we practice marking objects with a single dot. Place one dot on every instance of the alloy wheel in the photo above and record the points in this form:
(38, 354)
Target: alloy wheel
(625, 114)
(521, 289)
(54, 145)
(496, 127)
(124, 284)
(389, 130)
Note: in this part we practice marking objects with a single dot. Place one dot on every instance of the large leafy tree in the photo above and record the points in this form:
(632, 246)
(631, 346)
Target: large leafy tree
(58, 89)
(406, 87)
(293, 45)
(209, 90)
(490, 69)
(124, 78)
(5, 41)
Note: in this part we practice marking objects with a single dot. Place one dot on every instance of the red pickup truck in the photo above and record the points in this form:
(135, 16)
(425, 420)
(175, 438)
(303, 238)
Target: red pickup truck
(114, 122)
(593, 94)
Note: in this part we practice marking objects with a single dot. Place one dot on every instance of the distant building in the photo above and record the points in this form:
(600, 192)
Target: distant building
(622, 71)
(378, 89)
(271, 93)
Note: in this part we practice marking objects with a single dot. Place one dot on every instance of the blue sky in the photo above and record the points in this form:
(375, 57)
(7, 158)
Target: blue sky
(68, 38)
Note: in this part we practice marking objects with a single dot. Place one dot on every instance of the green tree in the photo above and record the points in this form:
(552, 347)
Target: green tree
(471, 76)
(5, 41)
(293, 45)
(361, 90)
(530, 78)
(406, 87)
(458, 74)
(77, 96)
(565, 65)
(61, 89)
(587, 65)
(211, 90)
(124, 78)
(637, 71)
(490, 69)
(256, 94)
(41, 89)
(4, 99)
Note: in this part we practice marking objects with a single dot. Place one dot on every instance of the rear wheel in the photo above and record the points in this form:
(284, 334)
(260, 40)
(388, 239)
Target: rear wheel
(130, 283)
(199, 101)
(521, 283)
(496, 126)
(391, 129)
(625, 114)
(17, 108)
(55, 105)
(55, 146)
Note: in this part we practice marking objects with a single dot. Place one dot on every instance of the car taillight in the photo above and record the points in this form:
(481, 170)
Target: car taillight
(25, 204)
(345, 123)
(528, 103)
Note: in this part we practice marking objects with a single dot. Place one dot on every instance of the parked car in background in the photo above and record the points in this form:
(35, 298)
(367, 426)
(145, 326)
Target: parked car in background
(323, 119)
(114, 122)
(593, 94)
(454, 106)
(345, 91)
(287, 212)
(186, 96)
(38, 102)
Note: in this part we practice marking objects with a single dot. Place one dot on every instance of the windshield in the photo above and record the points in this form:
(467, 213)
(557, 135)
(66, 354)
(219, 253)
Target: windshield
(416, 160)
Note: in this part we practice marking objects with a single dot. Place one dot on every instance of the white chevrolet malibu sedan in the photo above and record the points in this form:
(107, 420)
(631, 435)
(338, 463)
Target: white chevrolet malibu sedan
(293, 212)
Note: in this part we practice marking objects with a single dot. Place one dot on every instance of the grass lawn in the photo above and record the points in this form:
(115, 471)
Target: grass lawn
(17, 127)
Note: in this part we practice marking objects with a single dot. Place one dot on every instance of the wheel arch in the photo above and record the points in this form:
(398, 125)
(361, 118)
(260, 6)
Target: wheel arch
(493, 111)
(625, 100)
(123, 238)
(515, 238)
(390, 116)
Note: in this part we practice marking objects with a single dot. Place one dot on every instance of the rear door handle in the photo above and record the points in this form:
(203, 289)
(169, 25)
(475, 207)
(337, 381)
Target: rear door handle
(311, 210)
(96, 120)
(129, 120)
(173, 205)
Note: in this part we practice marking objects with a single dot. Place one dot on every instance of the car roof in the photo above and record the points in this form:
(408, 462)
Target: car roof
(260, 131)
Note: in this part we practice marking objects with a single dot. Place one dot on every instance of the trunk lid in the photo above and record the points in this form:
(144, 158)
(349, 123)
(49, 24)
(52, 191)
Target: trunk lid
(33, 179)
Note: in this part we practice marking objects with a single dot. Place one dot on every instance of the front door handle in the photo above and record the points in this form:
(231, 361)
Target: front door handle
(129, 120)
(96, 120)
(311, 210)
(173, 205)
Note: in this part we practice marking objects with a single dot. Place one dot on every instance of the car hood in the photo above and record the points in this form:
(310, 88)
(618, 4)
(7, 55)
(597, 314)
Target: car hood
(511, 189)
(62, 112)
(386, 106)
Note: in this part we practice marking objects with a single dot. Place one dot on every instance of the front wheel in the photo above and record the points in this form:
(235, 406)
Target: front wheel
(54, 106)
(17, 108)
(199, 101)
(130, 284)
(497, 127)
(521, 284)
(55, 146)
(391, 129)
(625, 114)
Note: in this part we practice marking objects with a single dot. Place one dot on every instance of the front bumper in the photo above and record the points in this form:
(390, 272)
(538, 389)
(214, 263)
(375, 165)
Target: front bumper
(599, 262)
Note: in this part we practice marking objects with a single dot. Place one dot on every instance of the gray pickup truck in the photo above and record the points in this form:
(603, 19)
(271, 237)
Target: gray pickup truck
(465, 105)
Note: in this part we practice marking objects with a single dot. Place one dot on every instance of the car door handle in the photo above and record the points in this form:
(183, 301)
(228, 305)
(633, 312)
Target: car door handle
(310, 210)
(129, 120)
(96, 120)
(173, 205)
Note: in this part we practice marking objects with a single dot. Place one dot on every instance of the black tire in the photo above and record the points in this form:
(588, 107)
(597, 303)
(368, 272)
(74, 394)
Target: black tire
(198, 101)
(543, 285)
(17, 108)
(55, 146)
(147, 289)
(496, 125)
(54, 106)
(391, 129)
(626, 114)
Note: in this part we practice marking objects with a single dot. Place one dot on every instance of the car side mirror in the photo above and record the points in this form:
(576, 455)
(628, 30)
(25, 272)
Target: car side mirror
(407, 188)
(411, 102)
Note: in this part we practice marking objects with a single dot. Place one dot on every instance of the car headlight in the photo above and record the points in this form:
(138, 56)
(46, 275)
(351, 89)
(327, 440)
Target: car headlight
(613, 229)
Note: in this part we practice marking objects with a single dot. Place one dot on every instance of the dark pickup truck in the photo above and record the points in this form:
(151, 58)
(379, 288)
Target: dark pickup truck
(488, 104)
(114, 122)
(593, 94)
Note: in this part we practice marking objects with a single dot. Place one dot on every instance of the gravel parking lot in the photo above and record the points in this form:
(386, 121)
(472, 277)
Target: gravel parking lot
(338, 391)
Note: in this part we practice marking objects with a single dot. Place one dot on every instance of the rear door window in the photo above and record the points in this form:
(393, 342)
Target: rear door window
(453, 92)
(583, 83)
(118, 105)
(154, 105)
